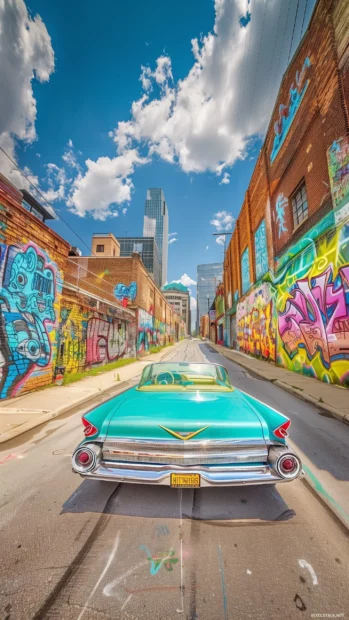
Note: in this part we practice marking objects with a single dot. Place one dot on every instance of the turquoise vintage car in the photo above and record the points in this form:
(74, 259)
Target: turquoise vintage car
(185, 425)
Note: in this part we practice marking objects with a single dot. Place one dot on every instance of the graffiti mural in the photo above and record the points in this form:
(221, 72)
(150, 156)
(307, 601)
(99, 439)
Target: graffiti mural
(126, 293)
(106, 340)
(313, 309)
(288, 112)
(219, 301)
(30, 287)
(261, 250)
(145, 331)
(159, 332)
(86, 338)
(245, 271)
(256, 323)
(280, 206)
(338, 167)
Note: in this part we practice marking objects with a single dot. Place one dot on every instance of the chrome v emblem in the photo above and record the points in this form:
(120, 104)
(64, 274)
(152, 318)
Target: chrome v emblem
(184, 436)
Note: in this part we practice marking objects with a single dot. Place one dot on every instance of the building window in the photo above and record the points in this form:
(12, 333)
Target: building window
(113, 251)
(261, 250)
(245, 271)
(299, 205)
(100, 248)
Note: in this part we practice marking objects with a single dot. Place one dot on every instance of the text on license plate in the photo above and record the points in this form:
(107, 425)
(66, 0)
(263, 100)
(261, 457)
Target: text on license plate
(185, 481)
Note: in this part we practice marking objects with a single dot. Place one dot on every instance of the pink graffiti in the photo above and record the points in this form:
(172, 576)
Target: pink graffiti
(317, 317)
(105, 341)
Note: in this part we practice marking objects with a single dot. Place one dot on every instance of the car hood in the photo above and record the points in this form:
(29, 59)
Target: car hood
(142, 415)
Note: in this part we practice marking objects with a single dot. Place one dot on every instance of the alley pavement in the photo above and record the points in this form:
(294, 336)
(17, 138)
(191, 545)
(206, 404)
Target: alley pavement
(76, 549)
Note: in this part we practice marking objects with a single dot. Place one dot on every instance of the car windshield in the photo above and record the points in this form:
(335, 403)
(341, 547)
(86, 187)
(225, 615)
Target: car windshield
(184, 375)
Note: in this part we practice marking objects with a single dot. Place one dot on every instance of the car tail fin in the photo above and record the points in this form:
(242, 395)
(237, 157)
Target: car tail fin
(281, 431)
(89, 428)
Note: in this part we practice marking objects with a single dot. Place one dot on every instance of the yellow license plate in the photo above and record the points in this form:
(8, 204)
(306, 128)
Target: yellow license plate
(185, 481)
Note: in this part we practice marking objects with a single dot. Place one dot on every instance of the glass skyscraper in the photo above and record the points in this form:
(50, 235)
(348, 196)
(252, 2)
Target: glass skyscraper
(148, 250)
(156, 225)
(208, 278)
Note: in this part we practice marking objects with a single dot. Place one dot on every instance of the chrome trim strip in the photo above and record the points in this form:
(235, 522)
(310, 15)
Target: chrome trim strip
(191, 458)
(184, 445)
(237, 476)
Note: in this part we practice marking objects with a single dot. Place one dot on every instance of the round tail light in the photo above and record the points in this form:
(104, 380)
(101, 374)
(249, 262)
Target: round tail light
(288, 466)
(84, 458)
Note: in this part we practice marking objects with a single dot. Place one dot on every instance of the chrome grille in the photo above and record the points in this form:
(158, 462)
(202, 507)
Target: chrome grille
(174, 452)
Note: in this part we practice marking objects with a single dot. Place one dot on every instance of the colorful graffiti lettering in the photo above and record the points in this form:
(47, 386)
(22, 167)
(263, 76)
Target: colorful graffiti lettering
(313, 310)
(288, 112)
(256, 323)
(338, 167)
(29, 287)
(126, 293)
(87, 339)
(161, 559)
(245, 271)
(280, 206)
(261, 250)
(105, 341)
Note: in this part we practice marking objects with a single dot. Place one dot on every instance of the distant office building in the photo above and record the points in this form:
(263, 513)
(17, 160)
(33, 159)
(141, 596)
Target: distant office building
(149, 253)
(156, 225)
(177, 295)
(208, 278)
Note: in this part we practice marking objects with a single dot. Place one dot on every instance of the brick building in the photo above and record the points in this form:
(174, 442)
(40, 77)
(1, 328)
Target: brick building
(287, 265)
(127, 280)
(44, 320)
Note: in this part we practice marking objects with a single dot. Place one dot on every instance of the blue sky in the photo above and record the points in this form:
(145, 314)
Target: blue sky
(198, 117)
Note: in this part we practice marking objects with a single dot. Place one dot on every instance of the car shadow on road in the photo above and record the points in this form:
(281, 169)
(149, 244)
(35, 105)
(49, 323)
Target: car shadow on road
(261, 503)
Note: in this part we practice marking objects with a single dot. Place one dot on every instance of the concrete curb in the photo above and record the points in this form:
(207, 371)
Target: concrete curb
(38, 421)
(335, 413)
(28, 426)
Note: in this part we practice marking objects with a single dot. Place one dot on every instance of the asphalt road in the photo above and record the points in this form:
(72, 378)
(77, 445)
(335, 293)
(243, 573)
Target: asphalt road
(76, 549)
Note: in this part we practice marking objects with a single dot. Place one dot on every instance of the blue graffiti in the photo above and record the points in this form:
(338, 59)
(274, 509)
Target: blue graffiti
(245, 19)
(26, 304)
(245, 271)
(281, 204)
(261, 250)
(288, 112)
(123, 292)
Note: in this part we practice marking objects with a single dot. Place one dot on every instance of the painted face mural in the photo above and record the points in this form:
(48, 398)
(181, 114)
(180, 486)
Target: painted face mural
(256, 323)
(313, 310)
(27, 295)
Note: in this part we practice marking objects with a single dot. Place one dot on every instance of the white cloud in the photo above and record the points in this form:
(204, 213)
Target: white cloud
(206, 120)
(220, 240)
(193, 303)
(70, 157)
(124, 211)
(222, 221)
(206, 248)
(226, 179)
(105, 185)
(172, 235)
(172, 240)
(186, 280)
(25, 54)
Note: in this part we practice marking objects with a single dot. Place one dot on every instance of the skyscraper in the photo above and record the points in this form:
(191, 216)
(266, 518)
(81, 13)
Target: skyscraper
(148, 250)
(156, 225)
(208, 278)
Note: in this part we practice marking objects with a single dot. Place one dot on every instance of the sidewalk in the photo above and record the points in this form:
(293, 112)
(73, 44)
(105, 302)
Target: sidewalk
(21, 414)
(331, 398)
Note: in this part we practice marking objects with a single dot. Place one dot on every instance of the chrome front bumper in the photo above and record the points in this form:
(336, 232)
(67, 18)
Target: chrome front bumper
(137, 473)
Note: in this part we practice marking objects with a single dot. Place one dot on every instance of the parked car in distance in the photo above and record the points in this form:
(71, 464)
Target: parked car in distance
(184, 425)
